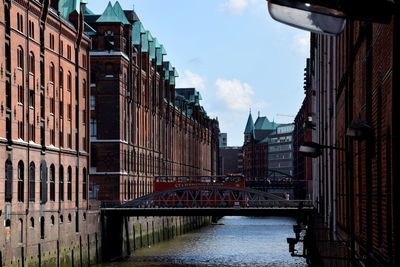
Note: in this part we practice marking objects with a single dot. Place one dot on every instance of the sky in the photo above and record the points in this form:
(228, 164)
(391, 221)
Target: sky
(233, 52)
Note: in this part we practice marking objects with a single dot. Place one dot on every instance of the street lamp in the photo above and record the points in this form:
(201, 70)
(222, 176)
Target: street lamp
(314, 150)
(329, 16)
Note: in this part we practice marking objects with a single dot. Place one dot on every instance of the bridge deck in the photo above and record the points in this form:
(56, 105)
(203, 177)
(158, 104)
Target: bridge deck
(203, 211)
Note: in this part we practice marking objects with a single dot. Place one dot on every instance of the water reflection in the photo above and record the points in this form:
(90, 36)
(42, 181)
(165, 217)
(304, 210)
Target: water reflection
(235, 241)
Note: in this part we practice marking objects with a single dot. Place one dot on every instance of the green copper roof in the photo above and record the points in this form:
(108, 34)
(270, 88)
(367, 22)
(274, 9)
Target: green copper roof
(109, 15)
(137, 29)
(120, 13)
(262, 123)
(249, 126)
(66, 7)
(145, 42)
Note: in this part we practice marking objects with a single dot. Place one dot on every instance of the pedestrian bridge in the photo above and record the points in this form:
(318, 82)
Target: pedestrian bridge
(209, 200)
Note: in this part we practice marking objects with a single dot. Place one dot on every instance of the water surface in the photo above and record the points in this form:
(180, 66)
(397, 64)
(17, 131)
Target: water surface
(235, 241)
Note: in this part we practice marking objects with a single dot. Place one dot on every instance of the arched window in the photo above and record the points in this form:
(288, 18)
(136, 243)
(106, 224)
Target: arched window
(43, 182)
(8, 181)
(84, 184)
(20, 181)
(20, 57)
(69, 184)
(32, 181)
(52, 72)
(42, 227)
(32, 62)
(61, 184)
(52, 183)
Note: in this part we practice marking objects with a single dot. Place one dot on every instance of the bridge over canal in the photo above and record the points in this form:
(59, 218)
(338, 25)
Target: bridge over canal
(209, 200)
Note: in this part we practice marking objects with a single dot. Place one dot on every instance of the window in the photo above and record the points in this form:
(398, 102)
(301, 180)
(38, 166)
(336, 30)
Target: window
(84, 89)
(84, 61)
(61, 78)
(69, 81)
(20, 22)
(51, 41)
(32, 98)
(62, 48)
(52, 183)
(32, 181)
(69, 184)
(31, 29)
(8, 181)
(69, 140)
(61, 184)
(69, 52)
(84, 116)
(69, 111)
(52, 137)
(20, 57)
(21, 94)
(43, 182)
(42, 227)
(84, 184)
(20, 181)
(61, 108)
(93, 128)
(52, 105)
(32, 222)
(92, 102)
(20, 130)
(52, 72)
(32, 63)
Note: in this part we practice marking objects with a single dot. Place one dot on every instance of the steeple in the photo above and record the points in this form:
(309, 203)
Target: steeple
(249, 125)
(249, 130)
(109, 15)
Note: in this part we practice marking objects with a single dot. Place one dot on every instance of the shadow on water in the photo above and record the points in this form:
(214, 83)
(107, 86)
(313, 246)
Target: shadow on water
(234, 241)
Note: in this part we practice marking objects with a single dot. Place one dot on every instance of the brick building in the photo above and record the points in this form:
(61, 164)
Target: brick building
(230, 159)
(44, 148)
(141, 126)
(255, 147)
(355, 77)
(303, 131)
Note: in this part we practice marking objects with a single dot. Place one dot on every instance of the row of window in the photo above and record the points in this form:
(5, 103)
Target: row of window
(42, 224)
(45, 183)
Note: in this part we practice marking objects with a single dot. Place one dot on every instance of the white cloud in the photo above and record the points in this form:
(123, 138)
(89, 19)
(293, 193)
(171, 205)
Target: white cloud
(237, 7)
(236, 95)
(190, 79)
(302, 43)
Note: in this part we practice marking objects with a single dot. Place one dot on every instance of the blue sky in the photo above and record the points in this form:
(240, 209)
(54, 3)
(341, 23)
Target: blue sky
(232, 52)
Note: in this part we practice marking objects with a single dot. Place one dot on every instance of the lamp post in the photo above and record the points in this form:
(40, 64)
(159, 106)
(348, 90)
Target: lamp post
(329, 16)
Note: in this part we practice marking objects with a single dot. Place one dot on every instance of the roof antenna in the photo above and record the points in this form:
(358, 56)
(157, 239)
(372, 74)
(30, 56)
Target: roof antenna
(258, 113)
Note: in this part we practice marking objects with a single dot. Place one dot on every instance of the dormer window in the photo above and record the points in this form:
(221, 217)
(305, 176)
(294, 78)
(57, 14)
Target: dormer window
(109, 40)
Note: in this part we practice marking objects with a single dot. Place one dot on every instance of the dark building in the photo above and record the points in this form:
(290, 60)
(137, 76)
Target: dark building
(44, 62)
(356, 78)
(141, 126)
(231, 159)
(303, 131)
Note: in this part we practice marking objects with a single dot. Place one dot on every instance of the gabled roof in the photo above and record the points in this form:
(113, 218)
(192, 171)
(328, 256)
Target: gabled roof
(262, 123)
(66, 7)
(120, 13)
(109, 15)
(249, 126)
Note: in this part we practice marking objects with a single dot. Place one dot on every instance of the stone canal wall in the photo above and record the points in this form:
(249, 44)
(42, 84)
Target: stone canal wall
(122, 236)
(98, 240)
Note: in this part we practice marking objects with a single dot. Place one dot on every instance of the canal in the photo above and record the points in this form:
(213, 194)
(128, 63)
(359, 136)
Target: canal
(234, 241)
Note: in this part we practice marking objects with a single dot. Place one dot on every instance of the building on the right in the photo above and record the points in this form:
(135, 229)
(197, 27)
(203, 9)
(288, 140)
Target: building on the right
(355, 80)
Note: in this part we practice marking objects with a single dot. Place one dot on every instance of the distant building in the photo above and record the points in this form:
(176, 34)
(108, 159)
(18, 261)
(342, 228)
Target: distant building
(280, 150)
(223, 140)
(231, 159)
(255, 147)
